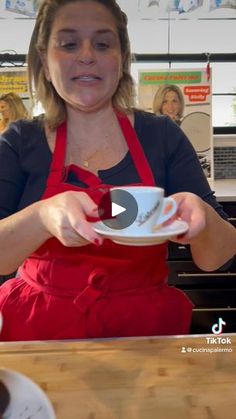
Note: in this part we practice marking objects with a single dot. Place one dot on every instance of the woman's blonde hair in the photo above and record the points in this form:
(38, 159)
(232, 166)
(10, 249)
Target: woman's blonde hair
(43, 91)
(160, 96)
(17, 109)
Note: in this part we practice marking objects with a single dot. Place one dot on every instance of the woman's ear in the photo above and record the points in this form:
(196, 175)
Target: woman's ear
(43, 58)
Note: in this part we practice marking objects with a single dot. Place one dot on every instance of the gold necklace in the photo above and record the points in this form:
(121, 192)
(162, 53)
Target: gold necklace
(86, 161)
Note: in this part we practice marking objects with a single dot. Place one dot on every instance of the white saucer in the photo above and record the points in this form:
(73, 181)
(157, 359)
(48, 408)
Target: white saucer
(27, 399)
(149, 239)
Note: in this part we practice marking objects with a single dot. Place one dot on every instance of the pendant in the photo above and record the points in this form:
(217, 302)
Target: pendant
(85, 163)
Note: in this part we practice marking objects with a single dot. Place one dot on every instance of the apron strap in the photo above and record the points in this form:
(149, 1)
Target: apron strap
(136, 150)
(57, 170)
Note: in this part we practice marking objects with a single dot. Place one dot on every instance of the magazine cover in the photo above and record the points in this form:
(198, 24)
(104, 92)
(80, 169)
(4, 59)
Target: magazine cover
(185, 96)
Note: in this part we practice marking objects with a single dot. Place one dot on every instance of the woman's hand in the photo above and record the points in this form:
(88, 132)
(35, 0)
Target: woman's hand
(64, 216)
(191, 209)
(212, 239)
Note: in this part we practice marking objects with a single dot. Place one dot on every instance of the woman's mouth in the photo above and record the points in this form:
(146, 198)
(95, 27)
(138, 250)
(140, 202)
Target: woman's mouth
(86, 78)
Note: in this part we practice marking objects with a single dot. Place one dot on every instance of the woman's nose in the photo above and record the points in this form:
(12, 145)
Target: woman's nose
(86, 53)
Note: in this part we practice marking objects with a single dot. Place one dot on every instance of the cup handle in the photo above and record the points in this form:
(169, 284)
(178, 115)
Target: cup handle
(173, 208)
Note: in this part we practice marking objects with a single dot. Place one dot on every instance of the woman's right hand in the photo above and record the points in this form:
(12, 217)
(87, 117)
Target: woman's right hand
(64, 216)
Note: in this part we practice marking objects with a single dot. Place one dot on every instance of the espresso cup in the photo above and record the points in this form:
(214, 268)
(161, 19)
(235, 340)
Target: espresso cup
(153, 209)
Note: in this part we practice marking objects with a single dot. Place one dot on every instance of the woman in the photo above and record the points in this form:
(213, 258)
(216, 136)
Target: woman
(169, 100)
(71, 284)
(12, 108)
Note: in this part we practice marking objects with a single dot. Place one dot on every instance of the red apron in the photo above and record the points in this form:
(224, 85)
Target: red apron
(90, 291)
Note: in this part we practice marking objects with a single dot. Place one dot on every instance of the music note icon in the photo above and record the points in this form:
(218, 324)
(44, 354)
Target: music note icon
(218, 327)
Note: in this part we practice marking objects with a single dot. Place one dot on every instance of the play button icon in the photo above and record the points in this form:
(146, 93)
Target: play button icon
(118, 209)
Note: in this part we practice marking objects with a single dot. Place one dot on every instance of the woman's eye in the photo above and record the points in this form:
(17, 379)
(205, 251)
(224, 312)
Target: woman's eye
(68, 45)
(102, 45)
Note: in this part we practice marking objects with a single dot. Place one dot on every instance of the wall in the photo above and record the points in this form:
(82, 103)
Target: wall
(15, 34)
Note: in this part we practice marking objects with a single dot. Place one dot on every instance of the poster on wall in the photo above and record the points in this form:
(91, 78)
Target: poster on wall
(14, 80)
(185, 96)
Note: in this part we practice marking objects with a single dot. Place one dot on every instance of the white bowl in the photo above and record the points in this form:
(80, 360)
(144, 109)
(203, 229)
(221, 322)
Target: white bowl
(27, 400)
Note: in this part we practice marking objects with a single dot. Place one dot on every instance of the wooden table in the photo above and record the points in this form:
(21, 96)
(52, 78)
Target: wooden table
(141, 378)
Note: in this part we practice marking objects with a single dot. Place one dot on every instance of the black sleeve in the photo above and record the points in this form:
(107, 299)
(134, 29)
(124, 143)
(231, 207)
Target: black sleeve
(12, 177)
(25, 160)
(184, 172)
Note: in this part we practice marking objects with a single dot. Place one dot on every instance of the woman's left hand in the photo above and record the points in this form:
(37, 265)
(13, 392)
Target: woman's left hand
(212, 239)
(191, 209)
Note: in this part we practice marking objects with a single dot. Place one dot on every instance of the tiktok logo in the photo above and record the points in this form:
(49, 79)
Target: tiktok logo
(218, 327)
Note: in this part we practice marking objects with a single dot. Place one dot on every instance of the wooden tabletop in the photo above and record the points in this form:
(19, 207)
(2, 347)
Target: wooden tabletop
(161, 378)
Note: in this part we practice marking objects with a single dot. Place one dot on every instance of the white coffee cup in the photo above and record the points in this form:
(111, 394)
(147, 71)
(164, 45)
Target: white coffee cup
(153, 209)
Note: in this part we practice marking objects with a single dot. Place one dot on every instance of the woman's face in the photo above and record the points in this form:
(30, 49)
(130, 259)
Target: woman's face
(83, 60)
(171, 105)
(4, 109)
